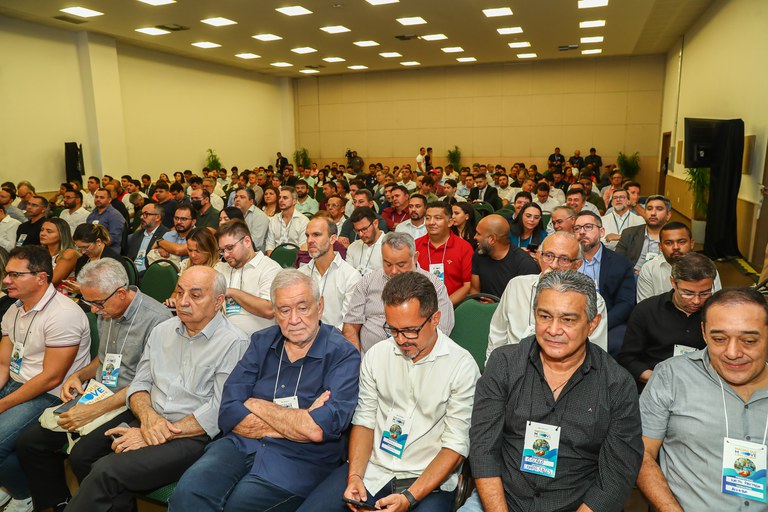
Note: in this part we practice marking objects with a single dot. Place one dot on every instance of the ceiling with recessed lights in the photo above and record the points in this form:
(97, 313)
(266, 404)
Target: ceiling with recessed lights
(296, 37)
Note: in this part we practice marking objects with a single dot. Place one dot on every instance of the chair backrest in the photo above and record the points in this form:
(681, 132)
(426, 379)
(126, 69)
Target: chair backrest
(285, 254)
(159, 280)
(484, 208)
(130, 268)
(94, 334)
(545, 218)
(473, 320)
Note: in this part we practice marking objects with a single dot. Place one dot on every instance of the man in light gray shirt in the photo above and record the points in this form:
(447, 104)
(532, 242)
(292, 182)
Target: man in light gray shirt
(174, 396)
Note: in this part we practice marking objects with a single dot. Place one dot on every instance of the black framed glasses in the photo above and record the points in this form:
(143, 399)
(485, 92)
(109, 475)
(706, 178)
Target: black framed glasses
(99, 304)
(230, 247)
(16, 275)
(410, 333)
(563, 260)
(363, 230)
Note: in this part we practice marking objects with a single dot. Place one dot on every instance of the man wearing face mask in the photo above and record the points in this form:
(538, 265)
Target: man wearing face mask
(207, 215)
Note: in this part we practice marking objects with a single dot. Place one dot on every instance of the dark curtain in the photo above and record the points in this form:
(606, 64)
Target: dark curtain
(725, 180)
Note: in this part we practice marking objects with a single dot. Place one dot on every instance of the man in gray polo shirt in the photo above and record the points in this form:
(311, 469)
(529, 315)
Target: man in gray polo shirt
(125, 318)
(704, 413)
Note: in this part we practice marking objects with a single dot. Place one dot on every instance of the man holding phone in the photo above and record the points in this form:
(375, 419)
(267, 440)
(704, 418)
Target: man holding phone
(125, 318)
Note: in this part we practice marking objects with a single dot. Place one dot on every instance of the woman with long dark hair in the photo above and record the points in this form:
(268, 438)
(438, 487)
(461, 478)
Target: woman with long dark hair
(527, 229)
(464, 222)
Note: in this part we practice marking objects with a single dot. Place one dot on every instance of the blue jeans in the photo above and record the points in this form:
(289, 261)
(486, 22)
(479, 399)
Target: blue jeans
(219, 481)
(472, 504)
(327, 496)
(12, 424)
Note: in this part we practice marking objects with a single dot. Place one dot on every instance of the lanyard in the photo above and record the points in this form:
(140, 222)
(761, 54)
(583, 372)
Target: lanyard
(362, 252)
(277, 378)
(324, 278)
(725, 413)
(29, 328)
(109, 331)
(429, 252)
(242, 270)
(616, 222)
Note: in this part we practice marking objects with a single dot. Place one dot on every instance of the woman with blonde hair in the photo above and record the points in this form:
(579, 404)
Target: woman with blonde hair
(92, 241)
(202, 248)
(55, 236)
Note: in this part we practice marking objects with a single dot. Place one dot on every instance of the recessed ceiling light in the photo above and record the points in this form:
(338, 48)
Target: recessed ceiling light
(592, 24)
(520, 44)
(413, 20)
(281, 64)
(526, 55)
(308, 71)
(592, 51)
(82, 12)
(219, 22)
(595, 39)
(366, 43)
(410, 63)
(334, 59)
(434, 37)
(206, 44)
(267, 37)
(357, 66)
(588, 4)
(499, 11)
(304, 49)
(466, 59)
(335, 29)
(152, 31)
(509, 30)
(389, 55)
(158, 2)
(382, 2)
(453, 49)
(294, 10)
(247, 56)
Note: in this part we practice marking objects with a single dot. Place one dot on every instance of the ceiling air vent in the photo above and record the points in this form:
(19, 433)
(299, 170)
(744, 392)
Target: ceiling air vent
(70, 19)
(311, 66)
(172, 27)
(566, 47)
(406, 37)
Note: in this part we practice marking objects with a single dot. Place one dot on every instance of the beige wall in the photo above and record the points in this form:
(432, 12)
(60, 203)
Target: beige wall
(134, 110)
(494, 113)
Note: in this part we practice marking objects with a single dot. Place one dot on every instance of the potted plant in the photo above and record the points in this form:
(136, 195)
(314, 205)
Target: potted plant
(697, 179)
(212, 160)
(454, 158)
(301, 158)
(629, 164)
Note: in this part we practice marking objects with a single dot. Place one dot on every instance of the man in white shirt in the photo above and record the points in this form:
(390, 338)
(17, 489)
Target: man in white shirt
(130, 187)
(420, 161)
(619, 218)
(544, 200)
(576, 199)
(406, 179)
(256, 220)
(675, 241)
(364, 254)
(92, 185)
(289, 226)
(74, 214)
(335, 277)
(410, 430)
(506, 193)
(8, 228)
(217, 193)
(514, 319)
(249, 275)
(417, 209)
(305, 204)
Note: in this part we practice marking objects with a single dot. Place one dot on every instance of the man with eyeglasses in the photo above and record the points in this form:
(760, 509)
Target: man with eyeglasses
(364, 254)
(514, 317)
(28, 233)
(249, 275)
(142, 241)
(362, 198)
(74, 214)
(125, 319)
(669, 324)
(45, 339)
(410, 431)
(612, 274)
(363, 323)
(284, 411)
(174, 396)
(105, 214)
(618, 218)
(174, 242)
(562, 219)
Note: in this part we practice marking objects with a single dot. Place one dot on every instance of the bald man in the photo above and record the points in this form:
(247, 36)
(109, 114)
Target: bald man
(496, 261)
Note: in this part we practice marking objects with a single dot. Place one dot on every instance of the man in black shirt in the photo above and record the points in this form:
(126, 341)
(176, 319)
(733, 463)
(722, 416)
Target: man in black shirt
(28, 233)
(669, 324)
(555, 423)
(496, 261)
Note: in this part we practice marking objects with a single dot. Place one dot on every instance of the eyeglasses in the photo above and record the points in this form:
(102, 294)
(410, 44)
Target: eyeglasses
(688, 295)
(99, 304)
(409, 334)
(182, 219)
(16, 275)
(363, 230)
(562, 260)
(230, 247)
(584, 227)
(559, 222)
(83, 249)
(145, 214)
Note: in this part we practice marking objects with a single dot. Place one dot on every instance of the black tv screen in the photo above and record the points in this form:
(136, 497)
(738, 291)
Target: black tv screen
(700, 141)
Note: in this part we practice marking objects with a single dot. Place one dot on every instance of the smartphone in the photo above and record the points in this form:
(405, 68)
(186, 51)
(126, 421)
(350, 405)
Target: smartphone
(122, 425)
(67, 406)
(359, 504)
(533, 247)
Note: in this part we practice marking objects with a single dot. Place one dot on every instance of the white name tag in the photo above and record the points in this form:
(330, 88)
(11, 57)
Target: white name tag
(542, 443)
(744, 466)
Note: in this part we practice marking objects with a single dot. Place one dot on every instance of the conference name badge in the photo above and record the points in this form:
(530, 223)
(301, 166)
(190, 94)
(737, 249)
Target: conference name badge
(681, 350)
(287, 402)
(232, 307)
(17, 358)
(438, 270)
(744, 467)
(393, 439)
(110, 370)
(540, 449)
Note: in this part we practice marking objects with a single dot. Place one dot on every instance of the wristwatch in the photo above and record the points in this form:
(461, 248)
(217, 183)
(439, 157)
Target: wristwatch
(412, 502)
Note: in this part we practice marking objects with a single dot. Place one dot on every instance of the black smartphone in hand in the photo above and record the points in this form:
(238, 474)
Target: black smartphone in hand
(67, 406)
(359, 504)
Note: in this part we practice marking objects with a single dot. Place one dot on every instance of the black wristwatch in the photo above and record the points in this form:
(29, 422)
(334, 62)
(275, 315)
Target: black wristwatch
(412, 502)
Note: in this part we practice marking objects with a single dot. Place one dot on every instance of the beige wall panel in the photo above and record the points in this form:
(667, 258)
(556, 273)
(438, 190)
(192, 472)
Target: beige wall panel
(380, 115)
(644, 107)
(579, 108)
(612, 75)
(515, 140)
(487, 141)
(517, 111)
(611, 108)
(380, 143)
(310, 118)
(608, 140)
(517, 79)
(485, 112)
(646, 73)
(547, 110)
(307, 91)
(548, 78)
(643, 138)
(575, 136)
(544, 139)
(330, 89)
(578, 75)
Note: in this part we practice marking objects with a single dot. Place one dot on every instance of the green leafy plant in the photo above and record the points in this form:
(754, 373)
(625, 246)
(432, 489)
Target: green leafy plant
(454, 157)
(301, 157)
(212, 160)
(629, 164)
(698, 183)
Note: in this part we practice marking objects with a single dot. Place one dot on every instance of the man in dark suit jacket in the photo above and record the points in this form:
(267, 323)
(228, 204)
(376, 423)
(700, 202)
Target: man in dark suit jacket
(143, 239)
(640, 243)
(612, 273)
(482, 191)
(280, 163)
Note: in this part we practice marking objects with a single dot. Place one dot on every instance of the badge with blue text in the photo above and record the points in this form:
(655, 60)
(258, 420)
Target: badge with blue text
(393, 439)
(744, 466)
(542, 442)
